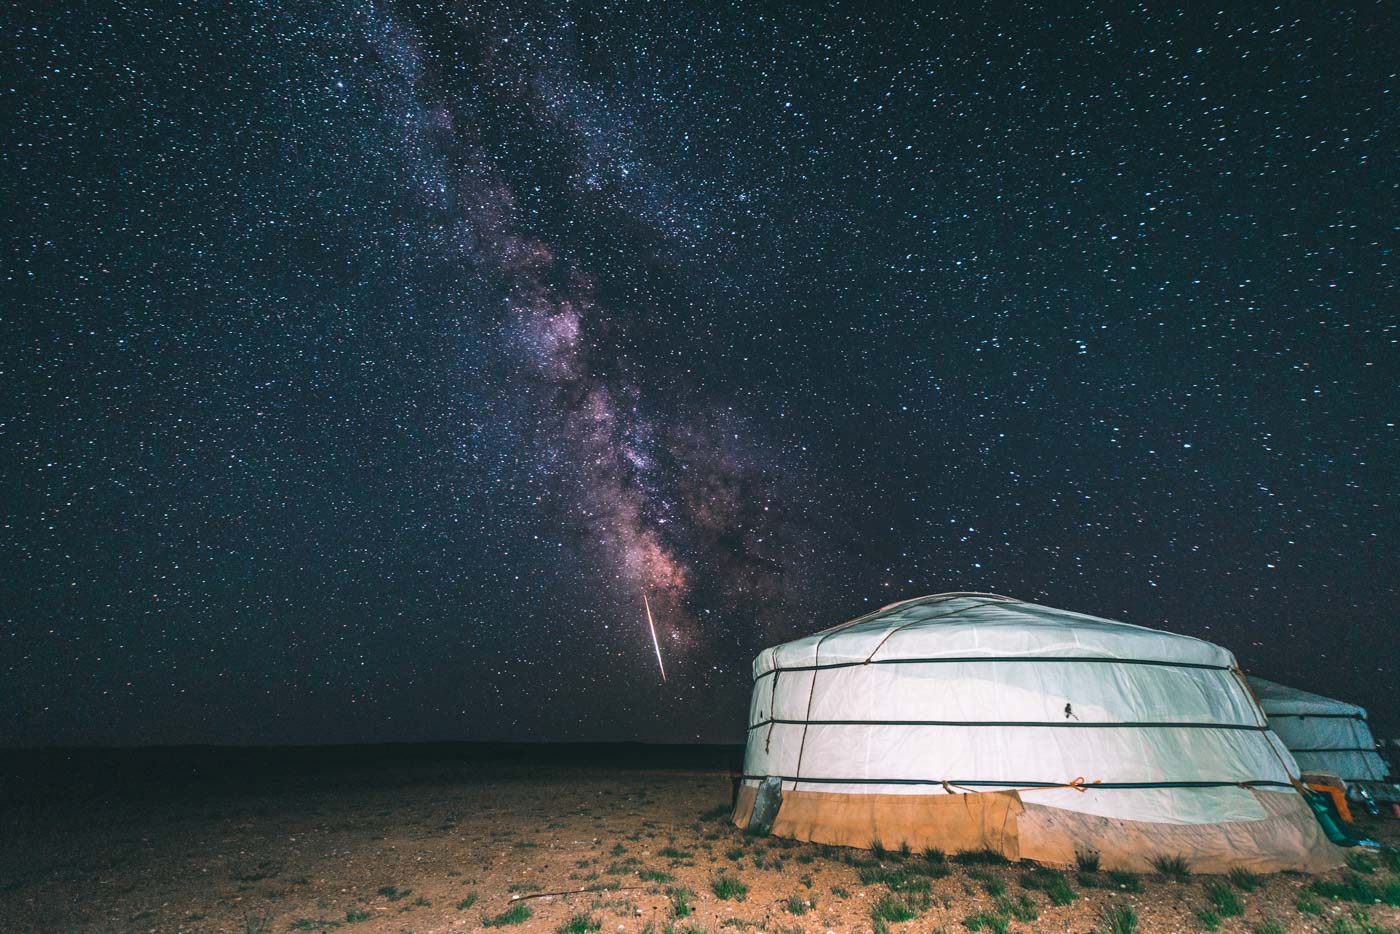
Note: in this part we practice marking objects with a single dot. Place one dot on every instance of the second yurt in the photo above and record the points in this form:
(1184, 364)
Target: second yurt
(1324, 734)
(967, 722)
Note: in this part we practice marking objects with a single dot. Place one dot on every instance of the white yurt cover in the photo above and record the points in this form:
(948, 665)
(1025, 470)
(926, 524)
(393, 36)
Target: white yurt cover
(1324, 734)
(1047, 730)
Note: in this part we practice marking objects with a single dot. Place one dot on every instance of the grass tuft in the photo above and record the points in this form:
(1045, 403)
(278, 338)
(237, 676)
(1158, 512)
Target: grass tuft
(1391, 857)
(1350, 888)
(680, 901)
(1172, 867)
(580, 924)
(987, 921)
(1053, 883)
(1361, 862)
(1020, 908)
(1359, 923)
(1307, 903)
(515, 914)
(718, 812)
(1225, 899)
(728, 888)
(1119, 919)
(1087, 860)
(1244, 880)
(1124, 881)
(895, 909)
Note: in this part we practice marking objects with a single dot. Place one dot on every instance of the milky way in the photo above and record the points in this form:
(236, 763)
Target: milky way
(369, 363)
(619, 474)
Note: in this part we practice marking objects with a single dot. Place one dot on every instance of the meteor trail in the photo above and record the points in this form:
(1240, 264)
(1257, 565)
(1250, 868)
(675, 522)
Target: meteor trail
(651, 624)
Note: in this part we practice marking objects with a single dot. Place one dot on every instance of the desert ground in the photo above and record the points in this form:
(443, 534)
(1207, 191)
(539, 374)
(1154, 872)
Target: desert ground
(569, 839)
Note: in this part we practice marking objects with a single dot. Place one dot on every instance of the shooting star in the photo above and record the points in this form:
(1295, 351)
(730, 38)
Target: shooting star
(651, 624)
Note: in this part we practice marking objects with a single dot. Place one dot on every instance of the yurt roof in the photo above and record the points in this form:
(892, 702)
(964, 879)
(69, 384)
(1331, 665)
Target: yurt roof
(950, 626)
(1278, 699)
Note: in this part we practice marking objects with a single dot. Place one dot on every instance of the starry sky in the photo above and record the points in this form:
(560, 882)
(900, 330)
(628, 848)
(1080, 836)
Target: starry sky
(366, 363)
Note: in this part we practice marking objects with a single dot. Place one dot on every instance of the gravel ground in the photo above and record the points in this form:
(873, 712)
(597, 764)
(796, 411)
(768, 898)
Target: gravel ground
(435, 847)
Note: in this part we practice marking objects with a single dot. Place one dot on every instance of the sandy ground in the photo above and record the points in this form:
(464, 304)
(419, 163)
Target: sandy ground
(452, 846)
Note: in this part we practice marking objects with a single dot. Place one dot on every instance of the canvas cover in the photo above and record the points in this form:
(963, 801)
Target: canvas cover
(1324, 734)
(886, 721)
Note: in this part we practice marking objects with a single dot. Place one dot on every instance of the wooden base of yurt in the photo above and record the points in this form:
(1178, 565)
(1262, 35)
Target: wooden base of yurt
(1288, 838)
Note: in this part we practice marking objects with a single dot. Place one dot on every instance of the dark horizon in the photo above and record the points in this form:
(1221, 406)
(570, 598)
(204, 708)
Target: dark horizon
(374, 363)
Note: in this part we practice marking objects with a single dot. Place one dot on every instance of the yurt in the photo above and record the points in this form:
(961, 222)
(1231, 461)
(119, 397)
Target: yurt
(1324, 734)
(967, 721)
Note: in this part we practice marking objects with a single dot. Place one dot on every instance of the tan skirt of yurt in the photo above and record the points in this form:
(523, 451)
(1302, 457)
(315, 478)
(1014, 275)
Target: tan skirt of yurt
(1288, 838)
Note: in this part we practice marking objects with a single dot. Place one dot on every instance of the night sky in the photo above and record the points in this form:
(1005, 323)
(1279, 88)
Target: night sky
(365, 364)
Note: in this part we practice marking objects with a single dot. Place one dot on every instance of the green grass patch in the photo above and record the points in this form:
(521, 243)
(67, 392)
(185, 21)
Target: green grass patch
(1021, 908)
(729, 889)
(1086, 860)
(987, 921)
(1391, 857)
(1226, 900)
(393, 894)
(1175, 868)
(894, 909)
(1244, 880)
(1350, 888)
(797, 905)
(467, 902)
(515, 914)
(1361, 862)
(680, 901)
(1124, 881)
(580, 924)
(355, 916)
(1053, 883)
(896, 879)
(655, 875)
(718, 812)
(1358, 923)
(671, 852)
(1118, 919)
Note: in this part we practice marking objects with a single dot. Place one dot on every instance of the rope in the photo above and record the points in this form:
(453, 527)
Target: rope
(869, 658)
(1295, 780)
(1078, 784)
(816, 657)
(773, 704)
